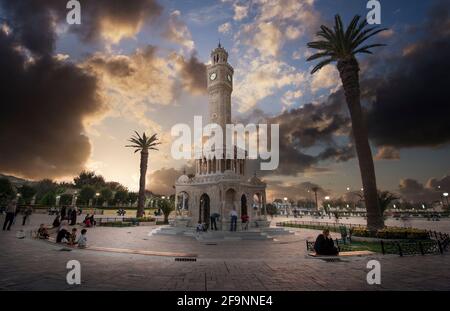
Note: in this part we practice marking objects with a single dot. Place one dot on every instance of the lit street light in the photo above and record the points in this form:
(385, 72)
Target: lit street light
(445, 194)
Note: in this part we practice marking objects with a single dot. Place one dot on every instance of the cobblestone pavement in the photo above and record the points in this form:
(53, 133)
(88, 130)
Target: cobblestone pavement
(27, 264)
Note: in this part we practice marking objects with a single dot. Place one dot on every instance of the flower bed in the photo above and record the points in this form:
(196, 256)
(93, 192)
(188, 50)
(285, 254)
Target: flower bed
(392, 233)
(389, 233)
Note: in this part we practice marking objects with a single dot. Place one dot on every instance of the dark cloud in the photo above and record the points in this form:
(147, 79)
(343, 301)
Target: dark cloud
(294, 191)
(411, 102)
(193, 74)
(162, 181)
(34, 21)
(323, 126)
(43, 105)
(115, 66)
(413, 191)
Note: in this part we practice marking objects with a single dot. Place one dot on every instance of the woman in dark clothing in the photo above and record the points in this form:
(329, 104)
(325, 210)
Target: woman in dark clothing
(63, 212)
(62, 236)
(324, 244)
(73, 217)
(57, 221)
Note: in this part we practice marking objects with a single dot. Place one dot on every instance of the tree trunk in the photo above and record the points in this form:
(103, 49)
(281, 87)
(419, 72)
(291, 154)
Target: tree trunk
(349, 73)
(141, 200)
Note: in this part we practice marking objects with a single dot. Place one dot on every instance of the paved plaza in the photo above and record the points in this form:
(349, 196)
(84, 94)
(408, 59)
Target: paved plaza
(282, 264)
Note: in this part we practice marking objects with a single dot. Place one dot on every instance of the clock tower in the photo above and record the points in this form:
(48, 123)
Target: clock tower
(220, 86)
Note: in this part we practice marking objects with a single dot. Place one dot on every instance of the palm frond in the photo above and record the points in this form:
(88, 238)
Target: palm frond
(142, 143)
(339, 42)
(321, 64)
(365, 49)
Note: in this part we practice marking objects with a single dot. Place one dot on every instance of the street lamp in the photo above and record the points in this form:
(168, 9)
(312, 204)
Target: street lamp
(285, 206)
(445, 194)
(97, 194)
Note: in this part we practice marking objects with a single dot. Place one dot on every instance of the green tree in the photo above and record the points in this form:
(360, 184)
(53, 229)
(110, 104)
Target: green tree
(132, 197)
(7, 191)
(65, 199)
(385, 198)
(27, 192)
(49, 199)
(166, 206)
(341, 45)
(114, 186)
(105, 195)
(143, 144)
(86, 193)
(43, 187)
(120, 197)
(89, 178)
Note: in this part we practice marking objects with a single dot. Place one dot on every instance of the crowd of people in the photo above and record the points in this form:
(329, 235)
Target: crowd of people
(66, 217)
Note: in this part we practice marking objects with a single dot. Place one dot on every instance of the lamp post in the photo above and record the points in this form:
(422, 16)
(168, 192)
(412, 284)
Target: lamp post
(97, 194)
(445, 194)
(327, 209)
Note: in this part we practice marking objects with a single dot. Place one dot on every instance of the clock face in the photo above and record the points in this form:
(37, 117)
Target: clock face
(229, 77)
(212, 76)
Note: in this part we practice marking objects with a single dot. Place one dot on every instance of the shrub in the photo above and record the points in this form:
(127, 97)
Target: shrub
(392, 233)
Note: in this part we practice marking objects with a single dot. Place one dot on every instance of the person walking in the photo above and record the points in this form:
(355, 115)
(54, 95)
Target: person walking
(234, 216)
(214, 217)
(27, 214)
(10, 214)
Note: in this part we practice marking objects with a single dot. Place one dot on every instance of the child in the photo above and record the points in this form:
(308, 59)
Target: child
(82, 240)
(42, 232)
(73, 237)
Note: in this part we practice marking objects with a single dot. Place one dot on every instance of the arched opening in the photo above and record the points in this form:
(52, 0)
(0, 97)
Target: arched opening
(183, 201)
(257, 203)
(244, 205)
(230, 198)
(204, 211)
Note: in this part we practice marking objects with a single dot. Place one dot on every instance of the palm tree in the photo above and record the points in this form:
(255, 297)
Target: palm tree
(341, 46)
(385, 198)
(143, 144)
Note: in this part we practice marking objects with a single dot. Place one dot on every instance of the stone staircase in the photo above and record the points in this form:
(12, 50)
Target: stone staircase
(267, 233)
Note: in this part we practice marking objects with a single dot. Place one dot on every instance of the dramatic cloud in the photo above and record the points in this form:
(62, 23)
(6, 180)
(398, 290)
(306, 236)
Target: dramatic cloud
(162, 181)
(412, 190)
(387, 153)
(293, 190)
(35, 21)
(411, 102)
(262, 72)
(134, 84)
(178, 32)
(263, 78)
(42, 112)
(326, 78)
(193, 74)
(309, 135)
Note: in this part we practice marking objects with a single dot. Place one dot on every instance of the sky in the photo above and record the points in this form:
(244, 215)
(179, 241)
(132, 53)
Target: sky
(74, 94)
